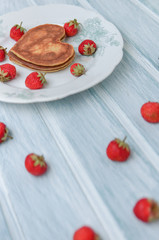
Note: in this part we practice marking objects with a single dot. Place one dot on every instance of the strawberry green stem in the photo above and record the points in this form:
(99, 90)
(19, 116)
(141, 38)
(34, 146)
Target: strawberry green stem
(124, 138)
(97, 237)
(10, 137)
(42, 77)
(41, 158)
(5, 50)
(38, 160)
(154, 211)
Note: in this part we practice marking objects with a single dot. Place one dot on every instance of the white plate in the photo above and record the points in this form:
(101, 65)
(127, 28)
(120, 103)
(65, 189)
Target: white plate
(61, 84)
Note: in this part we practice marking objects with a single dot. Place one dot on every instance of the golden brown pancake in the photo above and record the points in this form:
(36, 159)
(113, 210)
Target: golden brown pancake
(42, 46)
(23, 63)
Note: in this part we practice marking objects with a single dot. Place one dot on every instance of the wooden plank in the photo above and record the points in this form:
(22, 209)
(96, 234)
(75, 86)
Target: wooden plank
(49, 206)
(151, 5)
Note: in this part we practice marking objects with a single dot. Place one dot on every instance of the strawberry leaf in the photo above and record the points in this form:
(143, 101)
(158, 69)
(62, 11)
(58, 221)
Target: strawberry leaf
(74, 23)
(78, 70)
(42, 77)
(38, 160)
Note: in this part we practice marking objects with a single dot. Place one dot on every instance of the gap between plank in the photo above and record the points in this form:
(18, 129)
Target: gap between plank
(33, 3)
(139, 58)
(145, 9)
(140, 5)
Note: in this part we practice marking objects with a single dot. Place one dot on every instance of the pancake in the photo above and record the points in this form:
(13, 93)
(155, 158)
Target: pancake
(23, 63)
(42, 46)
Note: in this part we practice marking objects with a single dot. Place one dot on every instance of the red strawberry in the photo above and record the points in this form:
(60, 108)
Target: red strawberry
(85, 233)
(17, 31)
(35, 80)
(3, 133)
(77, 69)
(35, 164)
(87, 47)
(150, 112)
(2, 53)
(146, 210)
(118, 150)
(7, 72)
(71, 28)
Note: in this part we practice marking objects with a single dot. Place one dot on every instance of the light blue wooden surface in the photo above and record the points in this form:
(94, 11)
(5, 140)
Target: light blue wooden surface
(4, 231)
(151, 6)
(82, 186)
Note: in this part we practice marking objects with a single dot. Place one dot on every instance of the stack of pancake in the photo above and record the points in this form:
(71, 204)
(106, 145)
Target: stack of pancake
(41, 49)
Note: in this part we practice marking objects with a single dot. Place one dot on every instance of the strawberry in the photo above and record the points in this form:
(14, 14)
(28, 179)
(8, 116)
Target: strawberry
(3, 53)
(77, 69)
(71, 28)
(118, 150)
(3, 133)
(35, 164)
(87, 47)
(17, 31)
(85, 233)
(35, 80)
(146, 210)
(7, 72)
(150, 112)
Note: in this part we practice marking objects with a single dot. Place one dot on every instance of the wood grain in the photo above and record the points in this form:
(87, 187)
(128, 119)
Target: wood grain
(151, 5)
(3, 227)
